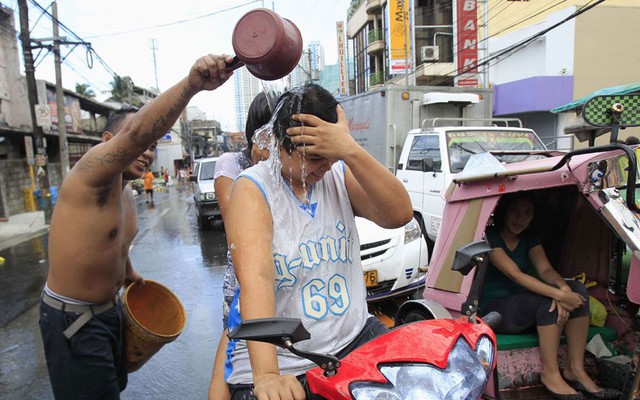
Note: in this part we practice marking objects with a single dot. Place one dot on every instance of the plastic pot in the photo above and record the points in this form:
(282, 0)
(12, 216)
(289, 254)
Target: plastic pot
(267, 44)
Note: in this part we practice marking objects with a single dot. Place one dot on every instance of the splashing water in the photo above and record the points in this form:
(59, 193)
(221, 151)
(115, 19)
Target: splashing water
(265, 138)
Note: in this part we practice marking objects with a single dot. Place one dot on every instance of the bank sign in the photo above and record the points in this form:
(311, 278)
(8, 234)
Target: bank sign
(467, 42)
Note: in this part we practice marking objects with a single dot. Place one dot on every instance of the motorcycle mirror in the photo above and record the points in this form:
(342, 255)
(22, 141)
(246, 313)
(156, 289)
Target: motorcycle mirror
(467, 256)
(271, 330)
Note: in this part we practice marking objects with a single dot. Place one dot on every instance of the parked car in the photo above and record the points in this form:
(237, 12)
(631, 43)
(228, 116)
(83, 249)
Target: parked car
(204, 193)
(393, 260)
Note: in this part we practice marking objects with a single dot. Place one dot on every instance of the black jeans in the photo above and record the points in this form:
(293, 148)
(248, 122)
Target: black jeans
(372, 329)
(525, 310)
(92, 364)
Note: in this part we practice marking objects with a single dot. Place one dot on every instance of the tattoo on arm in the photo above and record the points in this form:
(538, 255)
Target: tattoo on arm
(160, 125)
(89, 165)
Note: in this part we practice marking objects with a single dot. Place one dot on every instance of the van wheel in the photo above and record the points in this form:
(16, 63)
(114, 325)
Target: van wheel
(416, 315)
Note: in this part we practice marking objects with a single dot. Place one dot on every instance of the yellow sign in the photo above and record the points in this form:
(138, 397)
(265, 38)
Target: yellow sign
(371, 278)
(399, 34)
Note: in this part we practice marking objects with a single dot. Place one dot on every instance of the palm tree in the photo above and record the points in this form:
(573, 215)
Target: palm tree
(85, 90)
(122, 91)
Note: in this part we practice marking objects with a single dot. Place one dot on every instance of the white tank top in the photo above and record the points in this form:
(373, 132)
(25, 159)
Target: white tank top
(316, 254)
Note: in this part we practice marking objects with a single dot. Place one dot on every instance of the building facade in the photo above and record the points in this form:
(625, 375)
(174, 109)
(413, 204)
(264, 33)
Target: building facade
(580, 53)
(405, 42)
(24, 171)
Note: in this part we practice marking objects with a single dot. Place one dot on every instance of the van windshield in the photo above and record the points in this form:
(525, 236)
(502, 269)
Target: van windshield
(207, 170)
(463, 143)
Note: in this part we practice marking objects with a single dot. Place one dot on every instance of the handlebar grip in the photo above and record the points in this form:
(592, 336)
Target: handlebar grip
(308, 393)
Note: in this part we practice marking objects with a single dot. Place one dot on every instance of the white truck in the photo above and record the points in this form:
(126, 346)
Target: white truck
(425, 135)
(433, 154)
(394, 260)
(381, 119)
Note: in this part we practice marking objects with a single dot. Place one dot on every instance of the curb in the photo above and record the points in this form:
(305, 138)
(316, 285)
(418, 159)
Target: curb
(19, 238)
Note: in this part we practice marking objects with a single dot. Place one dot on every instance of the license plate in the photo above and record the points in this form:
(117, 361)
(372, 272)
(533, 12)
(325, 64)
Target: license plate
(371, 278)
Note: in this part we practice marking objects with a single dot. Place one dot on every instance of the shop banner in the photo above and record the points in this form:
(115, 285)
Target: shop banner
(467, 42)
(399, 33)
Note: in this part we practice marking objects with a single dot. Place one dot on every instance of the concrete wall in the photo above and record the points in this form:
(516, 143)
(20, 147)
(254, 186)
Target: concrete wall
(508, 16)
(550, 55)
(13, 87)
(15, 177)
(607, 52)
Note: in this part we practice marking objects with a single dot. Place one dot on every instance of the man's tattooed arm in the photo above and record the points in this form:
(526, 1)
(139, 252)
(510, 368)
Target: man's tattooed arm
(90, 164)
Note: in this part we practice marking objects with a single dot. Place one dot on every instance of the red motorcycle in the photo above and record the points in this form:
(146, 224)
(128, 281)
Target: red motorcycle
(450, 359)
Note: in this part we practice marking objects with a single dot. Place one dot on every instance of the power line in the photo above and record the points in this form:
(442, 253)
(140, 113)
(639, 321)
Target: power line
(530, 17)
(511, 50)
(173, 23)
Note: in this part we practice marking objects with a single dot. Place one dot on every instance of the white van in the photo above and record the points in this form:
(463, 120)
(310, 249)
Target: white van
(204, 193)
(431, 156)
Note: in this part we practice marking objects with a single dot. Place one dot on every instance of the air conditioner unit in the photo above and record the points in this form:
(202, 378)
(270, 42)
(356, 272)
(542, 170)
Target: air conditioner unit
(429, 53)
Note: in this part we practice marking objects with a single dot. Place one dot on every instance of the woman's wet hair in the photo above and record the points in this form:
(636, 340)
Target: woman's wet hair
(260, 113)
(308, 99)
(503, 206)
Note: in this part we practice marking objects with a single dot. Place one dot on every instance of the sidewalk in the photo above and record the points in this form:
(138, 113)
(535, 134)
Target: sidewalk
(21, 227)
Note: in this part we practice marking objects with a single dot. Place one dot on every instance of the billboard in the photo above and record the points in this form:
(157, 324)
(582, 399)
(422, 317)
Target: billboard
(399, 36)
(467, 42)
(72, 111)
(342, 59)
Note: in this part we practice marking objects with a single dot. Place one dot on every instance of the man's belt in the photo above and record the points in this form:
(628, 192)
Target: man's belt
(87, 311)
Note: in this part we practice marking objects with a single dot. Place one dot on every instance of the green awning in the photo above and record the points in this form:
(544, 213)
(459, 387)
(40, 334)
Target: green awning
(622, 89)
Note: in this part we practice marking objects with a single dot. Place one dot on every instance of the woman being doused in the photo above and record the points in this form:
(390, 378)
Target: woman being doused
(294, 242)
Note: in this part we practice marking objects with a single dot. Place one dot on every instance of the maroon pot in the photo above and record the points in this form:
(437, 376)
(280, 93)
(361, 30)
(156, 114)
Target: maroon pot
(267, 44)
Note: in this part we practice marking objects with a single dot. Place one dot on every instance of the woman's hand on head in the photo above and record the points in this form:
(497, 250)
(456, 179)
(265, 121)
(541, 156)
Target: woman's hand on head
(322, 138)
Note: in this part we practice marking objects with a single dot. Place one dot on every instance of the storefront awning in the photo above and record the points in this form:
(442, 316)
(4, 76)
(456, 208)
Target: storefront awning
(615, 90)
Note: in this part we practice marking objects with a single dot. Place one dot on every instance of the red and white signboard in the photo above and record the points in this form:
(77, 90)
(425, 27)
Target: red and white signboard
(342, 59)
(467, 42)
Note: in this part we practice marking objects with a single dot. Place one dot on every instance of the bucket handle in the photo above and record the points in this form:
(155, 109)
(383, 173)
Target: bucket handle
(234, 64)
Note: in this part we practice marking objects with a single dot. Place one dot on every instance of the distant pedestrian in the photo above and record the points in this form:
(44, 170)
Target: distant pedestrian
(148, 186)
(182, 176)
(91, 230)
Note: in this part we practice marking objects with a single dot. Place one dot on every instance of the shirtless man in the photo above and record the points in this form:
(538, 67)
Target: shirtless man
(92, 227)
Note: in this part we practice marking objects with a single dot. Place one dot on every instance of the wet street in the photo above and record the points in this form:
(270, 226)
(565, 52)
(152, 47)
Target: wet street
(169, 249)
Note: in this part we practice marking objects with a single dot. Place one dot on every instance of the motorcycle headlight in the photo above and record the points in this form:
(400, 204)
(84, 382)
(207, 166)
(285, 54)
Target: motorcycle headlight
(412, 231)
(465, 377)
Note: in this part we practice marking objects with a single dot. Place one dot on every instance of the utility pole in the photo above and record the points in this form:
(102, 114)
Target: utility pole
(154, 47)
(485, 40)
(41, 153)
(62, 123)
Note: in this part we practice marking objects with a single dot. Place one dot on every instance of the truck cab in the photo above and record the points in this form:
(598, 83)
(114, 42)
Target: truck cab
(433, 154)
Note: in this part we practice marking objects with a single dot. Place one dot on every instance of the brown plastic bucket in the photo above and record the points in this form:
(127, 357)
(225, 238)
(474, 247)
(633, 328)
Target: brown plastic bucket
(153, 316)
(270, 46)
